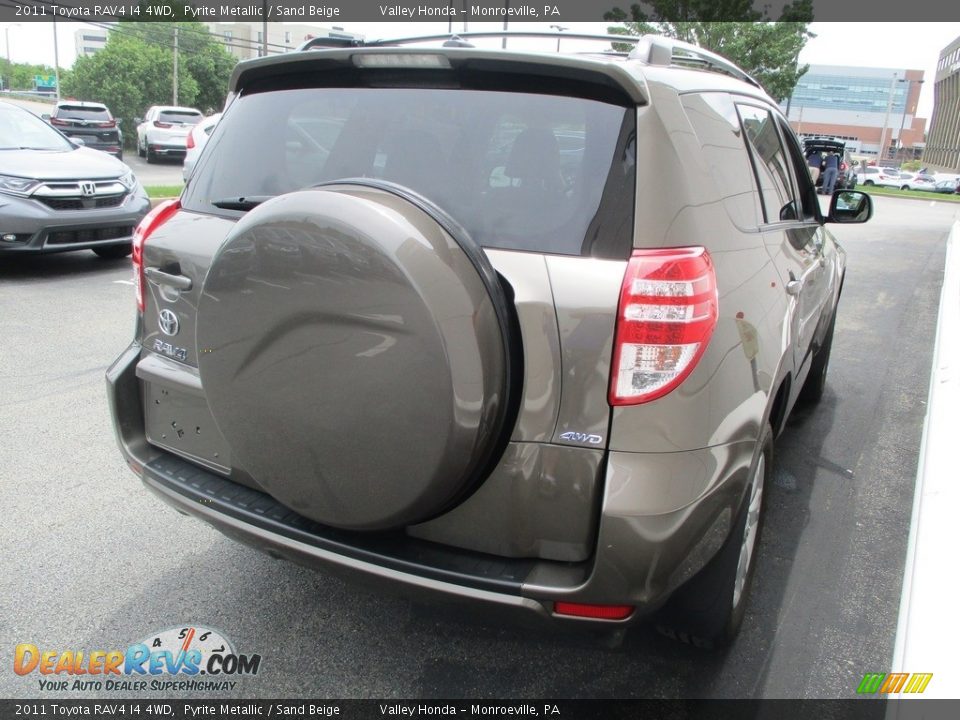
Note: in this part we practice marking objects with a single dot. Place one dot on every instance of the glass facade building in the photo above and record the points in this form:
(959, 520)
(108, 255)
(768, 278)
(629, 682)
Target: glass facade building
(817, 89)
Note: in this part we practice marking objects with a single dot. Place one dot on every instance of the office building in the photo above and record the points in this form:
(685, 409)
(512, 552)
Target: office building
(90, 40)
(869, 108)
(943, 144)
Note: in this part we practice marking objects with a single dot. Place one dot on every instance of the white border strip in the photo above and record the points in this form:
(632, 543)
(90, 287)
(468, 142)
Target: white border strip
(928, 632)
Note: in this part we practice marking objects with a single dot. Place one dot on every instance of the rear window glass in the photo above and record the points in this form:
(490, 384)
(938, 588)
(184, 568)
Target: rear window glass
(186, 118)
(70, 112)
(519, 171)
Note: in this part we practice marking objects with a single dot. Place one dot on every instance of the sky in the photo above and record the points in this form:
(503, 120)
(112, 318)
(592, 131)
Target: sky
(911, 46)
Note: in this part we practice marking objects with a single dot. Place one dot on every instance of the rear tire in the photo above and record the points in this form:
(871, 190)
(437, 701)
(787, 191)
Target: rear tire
(113, 252)
(151, 156)
(904, 187)
(141, 150)
(708, 611)
(812, 391)
(868, 183)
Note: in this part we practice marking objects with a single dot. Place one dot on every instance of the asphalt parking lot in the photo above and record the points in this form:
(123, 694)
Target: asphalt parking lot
(94, 561)
(163, 172)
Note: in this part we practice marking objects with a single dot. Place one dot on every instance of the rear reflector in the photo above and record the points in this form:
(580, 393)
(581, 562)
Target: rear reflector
(151, 221)
(190, 141)
(668, 309)
(597, 612)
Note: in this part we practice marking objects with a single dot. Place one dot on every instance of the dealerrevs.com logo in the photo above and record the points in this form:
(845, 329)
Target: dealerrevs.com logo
(184, 659)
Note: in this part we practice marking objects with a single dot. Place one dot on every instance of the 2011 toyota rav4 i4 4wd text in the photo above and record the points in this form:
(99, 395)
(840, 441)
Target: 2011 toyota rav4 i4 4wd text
(509, 327)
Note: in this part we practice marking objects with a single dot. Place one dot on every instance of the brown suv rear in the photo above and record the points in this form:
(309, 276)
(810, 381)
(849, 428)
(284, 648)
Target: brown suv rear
(508, 327)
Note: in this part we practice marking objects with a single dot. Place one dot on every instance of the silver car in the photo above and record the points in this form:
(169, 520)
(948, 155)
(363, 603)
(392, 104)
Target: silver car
(511, 328)
(56, 195)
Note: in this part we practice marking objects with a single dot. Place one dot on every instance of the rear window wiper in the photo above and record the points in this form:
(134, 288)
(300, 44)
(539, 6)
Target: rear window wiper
(246, 202)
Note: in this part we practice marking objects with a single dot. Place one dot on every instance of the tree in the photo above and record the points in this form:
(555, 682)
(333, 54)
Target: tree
(135, 70)
(200, 55)
(128, 75)
(766, 50)
(19, 76)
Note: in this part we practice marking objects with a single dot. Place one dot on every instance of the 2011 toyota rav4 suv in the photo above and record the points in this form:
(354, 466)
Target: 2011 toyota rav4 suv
(508, 327)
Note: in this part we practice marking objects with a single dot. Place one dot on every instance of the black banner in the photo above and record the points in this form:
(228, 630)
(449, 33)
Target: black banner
(913, 709)
(460, 11)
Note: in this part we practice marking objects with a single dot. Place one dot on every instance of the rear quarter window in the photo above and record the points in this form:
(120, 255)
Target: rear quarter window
(519, 171)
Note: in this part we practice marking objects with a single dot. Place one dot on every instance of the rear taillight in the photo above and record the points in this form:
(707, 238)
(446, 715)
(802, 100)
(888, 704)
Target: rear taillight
(843, 166)
(157, 123)
(151, 221)
(190, 141)
(668, 309)
(58, 121)
(107, 123)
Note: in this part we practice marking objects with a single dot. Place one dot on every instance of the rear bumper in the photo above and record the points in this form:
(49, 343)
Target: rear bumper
(643, 551)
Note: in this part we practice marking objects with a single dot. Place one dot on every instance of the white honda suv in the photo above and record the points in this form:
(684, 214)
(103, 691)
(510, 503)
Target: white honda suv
(163, 131)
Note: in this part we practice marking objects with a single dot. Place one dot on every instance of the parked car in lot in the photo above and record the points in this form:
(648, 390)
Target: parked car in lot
(56, 195)
(917, 181)
(163, 131)
(90, 122)
(846, 176)
(438, 317)
(946, 186)
(196, 140)
(884, 177)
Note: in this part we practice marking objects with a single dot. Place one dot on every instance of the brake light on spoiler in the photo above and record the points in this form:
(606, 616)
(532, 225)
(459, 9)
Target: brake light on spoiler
(667, 313)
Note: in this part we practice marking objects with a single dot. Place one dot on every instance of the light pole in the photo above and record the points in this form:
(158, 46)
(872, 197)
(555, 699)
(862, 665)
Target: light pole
(903, 118)
(883, 132)
(559, 29)
(9, 64)
(56, 60)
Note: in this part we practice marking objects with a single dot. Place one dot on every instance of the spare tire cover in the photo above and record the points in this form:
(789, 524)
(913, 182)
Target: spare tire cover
(353, 353)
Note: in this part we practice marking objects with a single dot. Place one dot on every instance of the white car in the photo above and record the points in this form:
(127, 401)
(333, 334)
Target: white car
(884, 177)
(163, 131)
(919, 181)
(196, 140)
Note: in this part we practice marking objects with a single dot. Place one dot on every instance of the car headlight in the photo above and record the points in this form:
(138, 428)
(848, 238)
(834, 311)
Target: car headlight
(129, 181)
(17, 185)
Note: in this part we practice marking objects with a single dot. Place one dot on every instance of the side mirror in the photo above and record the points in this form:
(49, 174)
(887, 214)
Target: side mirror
(850, 206)
(45, 116)
(138, 120)
(119, 121)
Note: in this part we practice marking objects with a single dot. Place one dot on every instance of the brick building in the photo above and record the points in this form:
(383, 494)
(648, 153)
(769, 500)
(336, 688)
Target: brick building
(866, 107)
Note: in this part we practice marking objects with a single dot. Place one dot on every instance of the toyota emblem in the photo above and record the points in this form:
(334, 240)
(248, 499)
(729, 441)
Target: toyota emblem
(169, 323)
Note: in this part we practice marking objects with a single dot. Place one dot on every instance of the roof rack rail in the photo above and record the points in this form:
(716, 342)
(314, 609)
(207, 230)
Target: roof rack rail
(664, 51)
(462, 37)
(650, 49)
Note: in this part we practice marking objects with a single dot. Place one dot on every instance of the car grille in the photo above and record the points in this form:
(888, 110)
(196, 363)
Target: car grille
(82, 203)
(82, 235)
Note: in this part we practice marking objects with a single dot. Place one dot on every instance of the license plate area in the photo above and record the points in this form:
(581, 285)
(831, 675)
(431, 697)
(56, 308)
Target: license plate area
(182, 423)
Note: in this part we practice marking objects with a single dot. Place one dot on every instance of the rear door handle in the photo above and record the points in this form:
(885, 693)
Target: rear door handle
(180, 282)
